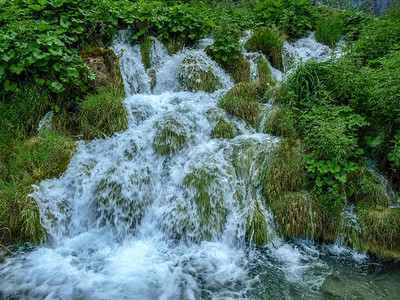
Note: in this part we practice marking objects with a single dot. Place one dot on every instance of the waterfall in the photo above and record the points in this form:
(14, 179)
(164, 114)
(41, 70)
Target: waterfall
(162, 210)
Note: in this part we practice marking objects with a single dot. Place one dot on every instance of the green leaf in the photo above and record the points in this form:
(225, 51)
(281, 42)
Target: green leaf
(17, 69)
(43, 2)
(56, 86)
(39, 81)
(8, 86)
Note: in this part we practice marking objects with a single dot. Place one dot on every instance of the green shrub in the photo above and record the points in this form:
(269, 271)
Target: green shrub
(292, 16)
(21, 114)
(270, 42)
(102, 114)
(329, 30)
(378, 38)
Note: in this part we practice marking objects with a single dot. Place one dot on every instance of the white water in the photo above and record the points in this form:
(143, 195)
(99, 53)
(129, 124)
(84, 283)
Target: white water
(123, 224)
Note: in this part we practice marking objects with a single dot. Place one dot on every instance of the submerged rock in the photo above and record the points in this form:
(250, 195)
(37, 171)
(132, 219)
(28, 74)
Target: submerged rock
(172, 135)
(196, 74)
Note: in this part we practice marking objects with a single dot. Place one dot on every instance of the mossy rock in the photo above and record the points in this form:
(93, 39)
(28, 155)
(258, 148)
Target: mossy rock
(292, 214)
(123, 205)
(263, 72)
(381, 231)
(269, 42)
(171, 135)
(145, 49)
(239, 70)
(269, 119)
(367, 189)
(257, 228)
(285, 171)
(208, 187)
(105, 64)
(196, 74)
(103, 114)
(327, 220)
(242, 101)
(223, 130)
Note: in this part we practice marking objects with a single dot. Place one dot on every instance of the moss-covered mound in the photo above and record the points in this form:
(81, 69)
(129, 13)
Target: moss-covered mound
(285, 171)
(29, 162)
(196, 74)
(171, 135)
(145, 48)
(367, 190)
(122, 205)
(263, 71)
(239, 70)
(257, 228)
(223, 130)
(242, 101)
(381, 231)
(105, 64)
(292, 214)
(207, 186)
(270, 42)
(103, 114)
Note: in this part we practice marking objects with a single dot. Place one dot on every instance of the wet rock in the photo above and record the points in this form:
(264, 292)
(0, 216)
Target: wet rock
(105, 64)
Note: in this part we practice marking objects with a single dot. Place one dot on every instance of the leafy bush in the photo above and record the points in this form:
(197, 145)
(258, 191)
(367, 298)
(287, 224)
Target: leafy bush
(292, 16)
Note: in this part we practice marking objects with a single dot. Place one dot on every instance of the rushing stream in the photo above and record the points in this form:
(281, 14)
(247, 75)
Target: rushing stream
(124, 224)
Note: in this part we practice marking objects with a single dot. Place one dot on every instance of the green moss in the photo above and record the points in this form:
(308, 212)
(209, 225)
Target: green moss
(242, 101)
(174, 47)
(367, 190)
(285, 171)
(263, 71)
(208, 196)
(223, 130)
(292, 214)
(270, 42)
(27, 163)
(121, 205)
(145, 48)
(329, 29)
(196, 74)
(381, 231)
(239, 70)
(257, 228)
(170, 136)
(326, 219)
(102, 114)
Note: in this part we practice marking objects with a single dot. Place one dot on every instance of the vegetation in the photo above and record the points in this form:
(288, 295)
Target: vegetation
(242, 101)
(223, 130)
(196, 74)
(171, 136)
(102, 114)
(270, 42)
(332, 116)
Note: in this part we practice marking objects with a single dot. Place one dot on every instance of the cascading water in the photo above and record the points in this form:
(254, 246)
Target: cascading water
(138, 217)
